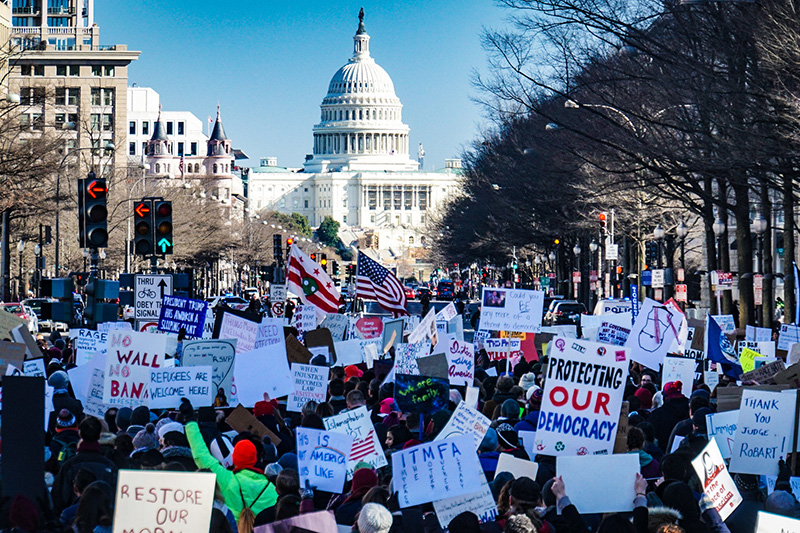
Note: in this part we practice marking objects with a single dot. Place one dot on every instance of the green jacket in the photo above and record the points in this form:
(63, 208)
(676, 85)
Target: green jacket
(251, 483)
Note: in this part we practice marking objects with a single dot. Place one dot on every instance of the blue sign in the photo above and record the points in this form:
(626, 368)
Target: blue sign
(647, 278)
(634, 302)
(178, 312)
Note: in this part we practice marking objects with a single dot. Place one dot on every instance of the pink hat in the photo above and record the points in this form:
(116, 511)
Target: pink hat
(387, 405)
(352, 371)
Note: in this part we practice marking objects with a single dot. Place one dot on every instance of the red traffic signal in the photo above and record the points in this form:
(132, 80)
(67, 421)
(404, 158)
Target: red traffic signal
(142, 209)
(314, 257)
(289, 241)
(97, 189)
(164, 209)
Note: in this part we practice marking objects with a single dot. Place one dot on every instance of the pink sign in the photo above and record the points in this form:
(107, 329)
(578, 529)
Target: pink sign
(370, 327)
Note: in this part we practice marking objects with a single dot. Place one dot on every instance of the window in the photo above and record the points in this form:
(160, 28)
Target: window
(305, 204)
(38, 70)
(97, 70)
(215, 168)
(181, 127)
(144, 147)
(108, 122)
(169, 128)
(24, 121)
(145, 127)
(95, 96)
(73, 118)
(132, 127)
(26, 70)
(74, 70)
(372, 198)
(411, 239)
(158, 168)
(194, 148)
(180, 148)
(108, 71)
(61, 119)
(61, 70)
(95, 122)
(131, 148)
(344, 219)
(67, 95)
(108, 96)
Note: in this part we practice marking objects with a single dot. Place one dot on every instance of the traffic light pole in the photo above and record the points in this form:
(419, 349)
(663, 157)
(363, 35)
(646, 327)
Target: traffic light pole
(95, 260)
(154, 264)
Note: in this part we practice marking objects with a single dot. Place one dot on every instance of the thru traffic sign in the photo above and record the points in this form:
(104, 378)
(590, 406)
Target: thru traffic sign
(149, 290)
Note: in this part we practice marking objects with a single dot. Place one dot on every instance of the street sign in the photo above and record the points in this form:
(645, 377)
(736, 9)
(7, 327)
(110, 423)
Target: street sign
(612, 252)
(758, 289)
(145, 326)
(277, 293)
(657, 281)
(680, 293)
(278, 308)
(148, 291)
(681, 275)
(576, 277)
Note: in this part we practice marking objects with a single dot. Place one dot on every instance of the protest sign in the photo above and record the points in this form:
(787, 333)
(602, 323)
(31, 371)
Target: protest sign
(764, 374)
(322, 458)
(305, 319)
(527, 440)
(231, 324)
(481, 503)
(251, 380)
(105, 327)
(22, 335)
(679, 369)
(269, 332)
(435, 470)
(747, 359)
(421, 394)
(369, 327)
(613, 334)
(447, 313)
(318, 522)
(516, 466)
(426, 329)
(711, 378)
(87, 343)
(511, 310)
(337, 325)
(410, 323)
(473, 396)
(726, 323)
(465, 420)
(130, 358)
(764, 348)
(321, 338)
(219, 354)
(9, 321)
(500, 349)
(655, 333)
(366, 447)
(310, 384)
(753, 333)
(717, 481)
(722, 428)
(179, 313)
(773, 523)
(600, 483)
(296, 352)
(794, 482)
(242, 420)
(406, 355)
(392, 333)
(582, 398)
(461, 361)
(763, 432)
(788, 334)
(149, 500)
(93, 400)
(480, 336)
(34, 368)
(434, 366)
(169, 385)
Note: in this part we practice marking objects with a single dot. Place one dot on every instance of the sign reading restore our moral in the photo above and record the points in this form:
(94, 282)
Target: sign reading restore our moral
(582, 398)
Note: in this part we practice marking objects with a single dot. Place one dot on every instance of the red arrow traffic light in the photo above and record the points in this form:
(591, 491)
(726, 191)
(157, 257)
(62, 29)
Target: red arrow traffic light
(97, 190)
(142, 209)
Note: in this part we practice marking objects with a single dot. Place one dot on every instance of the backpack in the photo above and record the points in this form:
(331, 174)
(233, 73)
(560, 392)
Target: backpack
(247, 518)
(67, 451)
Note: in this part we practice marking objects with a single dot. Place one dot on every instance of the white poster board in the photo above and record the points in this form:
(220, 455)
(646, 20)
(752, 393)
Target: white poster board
(322, 458)
(655, 333)
(169, 385)
(129, 359)
(516, 466)
(358, 425)
(679, 369)
(310, 384)
(264, 370)
(269, 332)
(722, 427)
(600, 483)
(773, 523)
(717, 481)
(515, 310)
(481, 503)
(763, 432)
(465, 420)
(461, 361)
(235, 327)
(219, 354)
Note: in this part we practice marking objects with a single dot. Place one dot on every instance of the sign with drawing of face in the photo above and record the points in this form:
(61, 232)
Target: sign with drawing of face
(656, 332)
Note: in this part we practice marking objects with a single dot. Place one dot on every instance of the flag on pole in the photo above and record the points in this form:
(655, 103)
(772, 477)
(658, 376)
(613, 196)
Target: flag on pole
(720, 350)
(310, 282)
(180, 166)
(375, 282)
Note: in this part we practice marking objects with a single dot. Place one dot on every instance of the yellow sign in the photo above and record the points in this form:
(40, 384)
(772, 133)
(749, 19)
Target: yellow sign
(512, 335)
(748, 359)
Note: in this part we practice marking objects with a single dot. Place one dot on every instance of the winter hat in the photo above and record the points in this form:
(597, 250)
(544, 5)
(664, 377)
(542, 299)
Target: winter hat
(146, 438)
(672, 389)
(507, 436)
(352, 371)
(645, 398)
(221, 448)
(363, 464)
(519, 523)
(509, 409)
(23, 514)
(374, 518)
(364, 478)
(244, 455)
(658, 400)
(489, 442)
(314, 421)
(466, 522)
(170, 426)
(500, 480)
(288, 460)
(60, 344)
(58, 380)
(151, 458)
(659, 516)
(263, 408)
(534, 397)
(140, 416)
(527, 381)
(701, 392)
(272, 470)
(782, 503)
(526, 490)
(123, 419)
(410, 443)
(699, 418)
(319, 360)
(66, 420)
(387, 406)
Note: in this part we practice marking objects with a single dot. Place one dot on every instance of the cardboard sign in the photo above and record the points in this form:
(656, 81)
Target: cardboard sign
(321, 337)
(773, 523)
(322, 458)
(421, 394)
(11, 353)
(262, 370)
(500, 349)
(336, 324)
(9, 321)
(406, 355)
(722, 428)
(435, 470)
(87, 343)
(481, 503)
(465, 420)
(764, 374)
(763, 432)
(243, 327)
(679, 369)
(241, 420)
(296, 352)
(582, 398)
(717, 482)
(22, 335)
(129, 359)
(655, 333)
(461, 361)
(219, 354)
(169, 385)
(358, 425)
(602, 483)
(269, 333)
(310, 384)
(149, 500)
(511, 310)
(179, 313)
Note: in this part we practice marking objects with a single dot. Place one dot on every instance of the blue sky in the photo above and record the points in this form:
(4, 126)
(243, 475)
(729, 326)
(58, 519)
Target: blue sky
(269, 63)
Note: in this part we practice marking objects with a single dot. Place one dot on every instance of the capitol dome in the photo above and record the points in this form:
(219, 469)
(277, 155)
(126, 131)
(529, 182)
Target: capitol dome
(361, 125)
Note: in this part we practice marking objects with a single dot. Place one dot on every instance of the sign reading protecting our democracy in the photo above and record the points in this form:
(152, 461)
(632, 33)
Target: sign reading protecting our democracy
(511, 310)
(366, 447)
(435, 470)
(169, 385)
(717, 481)
(465, 421)
(219, 354)
(179, 313)
(149, 500)
(582, 398)
(773, 523)
(460, 361)
(310, 384)
(421, 394)
(763, 432)
(130, 358)
(322, 458)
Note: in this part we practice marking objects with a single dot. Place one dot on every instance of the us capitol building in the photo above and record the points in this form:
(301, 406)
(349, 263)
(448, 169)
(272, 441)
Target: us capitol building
(360, 172)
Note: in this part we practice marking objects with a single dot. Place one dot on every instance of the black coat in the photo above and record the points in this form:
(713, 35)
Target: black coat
(666, 417)
(104, 470)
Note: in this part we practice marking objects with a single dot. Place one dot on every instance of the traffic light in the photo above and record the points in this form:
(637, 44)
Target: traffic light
(651, 254)
(277, 247)
(603, 221)
(162, 221)
(313, 257)
(289, 243)
(92, 212)
(324, 262)
(143, 228)
(335, 267)
(779, 247)
(96, 310)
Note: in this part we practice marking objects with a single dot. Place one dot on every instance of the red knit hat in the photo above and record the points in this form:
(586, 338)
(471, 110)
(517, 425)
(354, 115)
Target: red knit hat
(244, 455)
(645, 397)
(673, 389)
(364, 478)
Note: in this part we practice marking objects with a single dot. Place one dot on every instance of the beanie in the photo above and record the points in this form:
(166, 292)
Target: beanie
(699, 418)
(66, 420)
(58, 380)
(352, 371)
(489, 442)
(466, 522)
(288, 460)
(272, 470)
(527, 381)
(123, 419)
(387, 406)
(60, 344)
(672, 389)
(146, 438)
(525, 489)
(170, 426)
(244, 455)
(263, 408)
(364, 478)
(140, 416)
(374, 518)
(221, 448)
(782, 503)
(645, 398)
(24, 515)
(535, 395)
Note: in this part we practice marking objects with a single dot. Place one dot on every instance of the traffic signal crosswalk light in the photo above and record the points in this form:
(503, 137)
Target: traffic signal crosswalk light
(143, 228)
(92, 212)
(163, 227)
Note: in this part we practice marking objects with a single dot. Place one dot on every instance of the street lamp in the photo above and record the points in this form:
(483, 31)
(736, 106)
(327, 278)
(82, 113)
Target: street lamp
(20, 249)
(577, 250)
(719, 229)
(593, 246)
(682, 231)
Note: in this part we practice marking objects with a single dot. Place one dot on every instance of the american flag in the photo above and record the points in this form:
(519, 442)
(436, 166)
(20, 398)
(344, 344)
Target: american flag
(374, 282)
